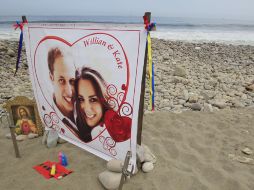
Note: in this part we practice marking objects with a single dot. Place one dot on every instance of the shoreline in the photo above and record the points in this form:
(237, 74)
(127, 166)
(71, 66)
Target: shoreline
(155, 37)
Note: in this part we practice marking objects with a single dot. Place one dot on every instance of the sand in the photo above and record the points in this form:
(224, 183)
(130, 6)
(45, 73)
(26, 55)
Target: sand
(195, 150)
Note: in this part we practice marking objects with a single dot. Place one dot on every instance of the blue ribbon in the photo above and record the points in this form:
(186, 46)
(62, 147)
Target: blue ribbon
(153, 86)
(19, 51)
(151, 26)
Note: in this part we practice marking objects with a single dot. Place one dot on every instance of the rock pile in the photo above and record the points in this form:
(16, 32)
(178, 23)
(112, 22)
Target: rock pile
(188, 76)
(203, 76)
(10, 85)
(110, 178)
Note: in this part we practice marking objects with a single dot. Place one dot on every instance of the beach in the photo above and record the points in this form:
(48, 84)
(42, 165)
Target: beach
(203, 120)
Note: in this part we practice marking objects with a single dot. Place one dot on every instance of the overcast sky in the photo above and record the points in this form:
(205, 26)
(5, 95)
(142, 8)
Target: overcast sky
(226, 9)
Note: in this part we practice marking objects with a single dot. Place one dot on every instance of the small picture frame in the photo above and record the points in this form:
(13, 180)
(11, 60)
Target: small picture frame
(23, 114)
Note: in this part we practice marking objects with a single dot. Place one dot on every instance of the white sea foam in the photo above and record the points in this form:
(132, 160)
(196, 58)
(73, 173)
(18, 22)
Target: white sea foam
(226, 37)
(8, 34)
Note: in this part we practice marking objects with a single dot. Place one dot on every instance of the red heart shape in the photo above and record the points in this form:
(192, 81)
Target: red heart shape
(119, 127)
(25, 128)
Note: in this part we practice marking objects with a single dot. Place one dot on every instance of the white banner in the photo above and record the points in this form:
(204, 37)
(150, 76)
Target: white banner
(87, 83)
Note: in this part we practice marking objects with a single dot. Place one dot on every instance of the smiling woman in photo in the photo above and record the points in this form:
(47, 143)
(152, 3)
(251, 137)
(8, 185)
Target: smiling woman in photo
(91, 101)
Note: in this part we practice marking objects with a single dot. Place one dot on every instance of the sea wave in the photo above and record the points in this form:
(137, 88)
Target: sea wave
(167, 28)
(197, 36)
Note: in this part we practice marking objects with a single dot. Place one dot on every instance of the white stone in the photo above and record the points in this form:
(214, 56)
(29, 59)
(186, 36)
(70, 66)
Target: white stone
(147, 167)
(170, 52)
(4, 121)
(186, 94)
(140, 154)
(241, 159)
(8, 135)
(208, 87)
(220, 104)
(21, 137)
(11, 53)
(52, 139)
(250, 87)
(193, 98)
(244, 160)
(216, 109)
(244, 97)
(148, 155)
(115, 165)
(180, 72)
(181, 102)
(238, 104)
(247, 151)
(32, 135)
(110, 180)
(196, 106)
(208, 107)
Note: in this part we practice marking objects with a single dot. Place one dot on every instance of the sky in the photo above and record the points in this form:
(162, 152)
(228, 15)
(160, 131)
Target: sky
(217, 9)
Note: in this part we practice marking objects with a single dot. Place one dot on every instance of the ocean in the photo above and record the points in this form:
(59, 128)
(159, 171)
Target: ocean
(195, 30)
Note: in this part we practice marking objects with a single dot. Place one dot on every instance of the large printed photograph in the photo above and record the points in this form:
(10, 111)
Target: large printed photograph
(87, 84)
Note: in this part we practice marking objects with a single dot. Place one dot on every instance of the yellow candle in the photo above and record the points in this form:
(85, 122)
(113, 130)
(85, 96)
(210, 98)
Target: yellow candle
(53, 170)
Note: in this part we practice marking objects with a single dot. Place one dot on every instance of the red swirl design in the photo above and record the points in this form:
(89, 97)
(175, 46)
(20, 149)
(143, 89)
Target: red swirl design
(125, 109)
(51, 120)
(108, 144)
(111, 90)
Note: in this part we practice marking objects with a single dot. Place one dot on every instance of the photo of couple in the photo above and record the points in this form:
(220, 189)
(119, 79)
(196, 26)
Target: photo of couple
(87, 84)
(79, 95)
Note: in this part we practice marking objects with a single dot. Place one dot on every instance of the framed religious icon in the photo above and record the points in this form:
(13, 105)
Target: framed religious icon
(24, 116)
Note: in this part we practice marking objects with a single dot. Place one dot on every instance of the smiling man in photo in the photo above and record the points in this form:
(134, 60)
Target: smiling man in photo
(62, 75)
